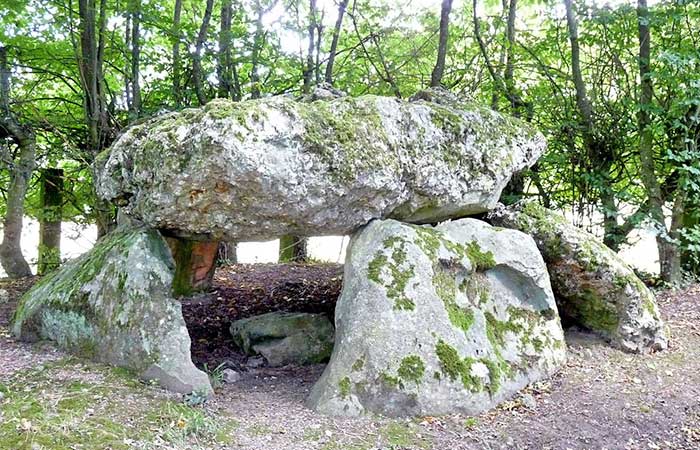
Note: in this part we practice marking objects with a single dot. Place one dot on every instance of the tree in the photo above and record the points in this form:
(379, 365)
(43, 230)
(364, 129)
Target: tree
(90, 65)
(436, 76)
(229, 84)
(342, 5)
(21, 163)
(197, 71)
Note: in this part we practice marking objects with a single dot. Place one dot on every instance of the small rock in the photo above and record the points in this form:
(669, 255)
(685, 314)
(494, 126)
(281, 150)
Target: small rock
(255, 362)
(528, 401)
(2, 397)
(231, 376)
(4, 296)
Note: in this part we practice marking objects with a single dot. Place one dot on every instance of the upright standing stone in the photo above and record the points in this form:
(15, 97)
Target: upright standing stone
(593, 286)
(455, 318)
(113, 304)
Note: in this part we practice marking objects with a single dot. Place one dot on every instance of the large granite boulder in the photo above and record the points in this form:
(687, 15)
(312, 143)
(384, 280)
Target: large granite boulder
(113, 304)
(285, 338)
(265, 168)
(593, 286)
(454, 318)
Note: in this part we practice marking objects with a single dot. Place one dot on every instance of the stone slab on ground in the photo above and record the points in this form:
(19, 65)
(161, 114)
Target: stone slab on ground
(285, 338)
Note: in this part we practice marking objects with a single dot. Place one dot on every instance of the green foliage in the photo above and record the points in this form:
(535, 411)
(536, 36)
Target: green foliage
(388, 48)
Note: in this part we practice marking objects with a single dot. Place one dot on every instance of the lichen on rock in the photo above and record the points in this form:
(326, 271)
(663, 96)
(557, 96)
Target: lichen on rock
(113, 304)
(270, 167)
(594, 288)
(483, 323)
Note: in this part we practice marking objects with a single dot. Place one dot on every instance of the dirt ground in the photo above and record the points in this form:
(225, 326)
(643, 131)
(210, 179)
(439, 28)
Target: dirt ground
(601, 399)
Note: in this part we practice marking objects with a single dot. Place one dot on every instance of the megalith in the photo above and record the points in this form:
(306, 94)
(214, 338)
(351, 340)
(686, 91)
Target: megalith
(261, 169)
(594, 288)
(114, 304)
(435, 320)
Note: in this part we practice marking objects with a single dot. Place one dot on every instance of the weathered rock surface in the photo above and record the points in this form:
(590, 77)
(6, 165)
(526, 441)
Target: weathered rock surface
(593, 286)
(285, 338)
(439, 320)
(113, 304)
(265, 168)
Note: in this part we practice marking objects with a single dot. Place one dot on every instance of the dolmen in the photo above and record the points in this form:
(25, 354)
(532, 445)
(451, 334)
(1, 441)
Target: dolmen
(439, 312)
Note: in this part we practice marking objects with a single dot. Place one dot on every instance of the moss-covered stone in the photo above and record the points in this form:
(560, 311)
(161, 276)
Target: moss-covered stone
(113, 304)
(412, 369)
(594, 287)
(392, 271)
(344, 387)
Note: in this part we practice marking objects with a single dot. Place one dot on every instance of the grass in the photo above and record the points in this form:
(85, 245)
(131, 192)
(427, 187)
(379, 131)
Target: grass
(64, 405)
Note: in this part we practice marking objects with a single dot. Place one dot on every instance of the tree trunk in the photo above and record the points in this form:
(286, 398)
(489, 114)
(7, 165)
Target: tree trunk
(227, 253)
(342, 6)
(439, 69)
(197, 74)
(293, 249)
(228, 87)
(94, 101)
(135, 106)
(21, 171)
(309, 69)
(50, 224)
(599, 153)
(176, 53)
(666, 245)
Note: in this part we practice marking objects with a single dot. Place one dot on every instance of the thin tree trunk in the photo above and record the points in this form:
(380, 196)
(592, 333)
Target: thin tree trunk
(135, 107)
(176, 52)
(646, 148)
(599, 152)
(223, 64)
(334, 42)
(293, 249)
(21, 171)
(317, 63)
(309, 69)
(197, 75)
(50, 224)
(95, 104)
(439, 69)
(509, 72)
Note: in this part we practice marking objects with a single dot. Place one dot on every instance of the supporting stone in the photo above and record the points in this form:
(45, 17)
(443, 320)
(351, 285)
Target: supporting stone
(113, 304)
(455, 318)
(594, 287)
(195, 263)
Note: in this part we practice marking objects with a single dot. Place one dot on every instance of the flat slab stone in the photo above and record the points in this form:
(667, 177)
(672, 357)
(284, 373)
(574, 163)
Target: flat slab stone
(450, 319)
(285, 338)
(593, 286)
(261, 169)
(113, 304)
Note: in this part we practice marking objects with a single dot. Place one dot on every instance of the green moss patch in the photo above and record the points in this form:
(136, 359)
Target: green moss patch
(66, 405)
(412, 369)
(393, 271)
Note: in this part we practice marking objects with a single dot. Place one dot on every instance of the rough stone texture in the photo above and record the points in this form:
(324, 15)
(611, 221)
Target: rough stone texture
(593, 286)
(439, 320)
(285, 338)
(265, 168)
(113, 304)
